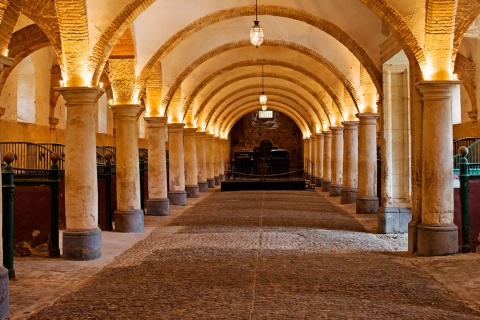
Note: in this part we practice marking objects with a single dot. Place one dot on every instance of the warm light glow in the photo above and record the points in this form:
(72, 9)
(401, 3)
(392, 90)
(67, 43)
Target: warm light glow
(110, 102)
(62, 83)
(455, 76)
(256, 34)
(264, 107)
(427, 72)
(263, 99)
(101, 85)
(6, 52)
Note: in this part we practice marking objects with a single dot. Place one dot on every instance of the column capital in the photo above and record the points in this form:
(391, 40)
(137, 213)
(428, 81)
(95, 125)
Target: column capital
(126, 110)
(156, 122)
(175, 127)
(327, 134)
(336, 130)
(313, 137)
(209, 136)
(437, 90)
(77, 96)
(306, 139)
(350, 125)
(201, 134)
(319, 135)
(189, 131)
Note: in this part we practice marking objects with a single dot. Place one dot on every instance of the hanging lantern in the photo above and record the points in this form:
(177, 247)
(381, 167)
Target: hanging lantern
(256, 33)
(264, 107)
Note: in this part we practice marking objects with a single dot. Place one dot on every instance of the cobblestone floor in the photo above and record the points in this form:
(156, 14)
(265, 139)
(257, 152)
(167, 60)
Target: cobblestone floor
(265, 255)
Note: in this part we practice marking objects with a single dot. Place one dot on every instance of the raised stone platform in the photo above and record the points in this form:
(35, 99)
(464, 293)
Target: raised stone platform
(238, 185)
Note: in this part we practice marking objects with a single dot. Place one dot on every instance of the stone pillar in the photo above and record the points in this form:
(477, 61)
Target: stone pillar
(201, 162)
(177, 194)
(190, 149)
(129, 215)
(314, 148)
(226, 155)
(437, 234)
(337, 161)
(221, 160)
(216, 173)
(209, 160)
(4, 278)
(350, 163)
(307, 157)
(367, 201)
(158, 203)
(82, 239)
(319, 164)
(327, 161)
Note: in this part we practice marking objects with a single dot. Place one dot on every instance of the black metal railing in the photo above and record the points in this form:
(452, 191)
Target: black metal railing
(31, 155)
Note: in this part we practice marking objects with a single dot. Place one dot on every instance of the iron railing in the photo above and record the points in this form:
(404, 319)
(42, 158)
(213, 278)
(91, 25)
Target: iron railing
(31, 155)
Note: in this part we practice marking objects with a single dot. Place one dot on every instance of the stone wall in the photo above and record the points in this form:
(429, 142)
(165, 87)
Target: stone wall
(282, 131)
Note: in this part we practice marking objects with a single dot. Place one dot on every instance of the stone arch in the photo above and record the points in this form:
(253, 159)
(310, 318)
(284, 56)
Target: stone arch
(290, 99)
(109, 38)
(8, 19)
(23, 43)
(226, 125)
(293, 92)
(285, 44)
(240, 64)
(325, 109)
(322, 24)
(466, 70)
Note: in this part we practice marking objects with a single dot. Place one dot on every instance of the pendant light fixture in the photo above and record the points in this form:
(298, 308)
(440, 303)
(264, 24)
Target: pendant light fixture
(256, 33)
(263, 96)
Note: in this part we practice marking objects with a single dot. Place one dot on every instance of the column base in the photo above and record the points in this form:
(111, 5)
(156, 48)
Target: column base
(4, 293)
(348, 196)
(158, 207)
(211, 182)
(222, 177)
(326, 185)
(217, 180)
(437, 240)
(367, 205)
(129, 221)
(318, 182)
(335, 190)
(308, 177)
(177, 198)
(203, 186)
(192, 191)
(393, 220)
(82, 245)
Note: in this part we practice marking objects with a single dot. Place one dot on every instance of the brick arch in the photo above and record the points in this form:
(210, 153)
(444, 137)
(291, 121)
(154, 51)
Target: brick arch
(231, 94)
(322, 24)
(467, 12)
(325, 109)
(275, 95)
(23, 43)
(275, 43)
(8, 18)
(240, 64)
(226, 124)
(109, 38)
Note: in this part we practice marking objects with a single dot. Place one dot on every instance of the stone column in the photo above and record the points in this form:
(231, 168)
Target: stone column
(350, 163)
(337, 161)
(82, 239)
(129, 215)
(314, 149)
(319, 164)
(177, 194)
(4, 278)
(327, 161)
(190, 149)
(367, 201)
(307, 157)
(209, 160)
(201, 162)
(437, 234)
(216, 173)
(221, 160)
(158, 203)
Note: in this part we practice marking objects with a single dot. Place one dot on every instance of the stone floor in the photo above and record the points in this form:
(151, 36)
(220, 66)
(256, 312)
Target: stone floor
(251, 255)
